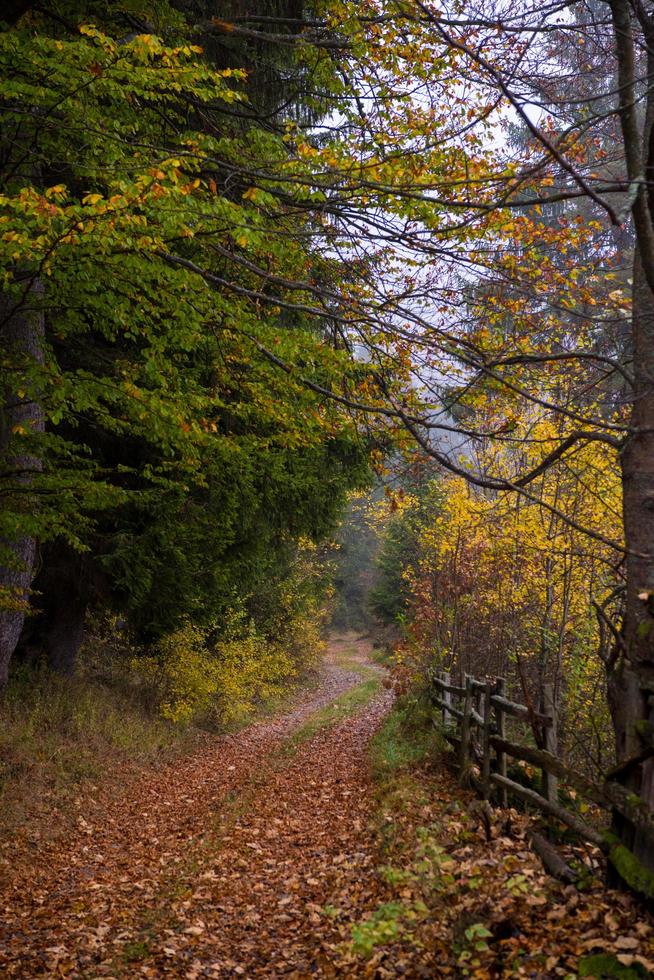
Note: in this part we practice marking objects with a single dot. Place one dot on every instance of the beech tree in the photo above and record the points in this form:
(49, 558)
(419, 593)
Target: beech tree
(154, 455)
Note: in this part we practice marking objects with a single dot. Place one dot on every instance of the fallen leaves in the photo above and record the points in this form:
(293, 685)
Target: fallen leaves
(247, 861)
(533, 925)
(626, 942)
(218, 865)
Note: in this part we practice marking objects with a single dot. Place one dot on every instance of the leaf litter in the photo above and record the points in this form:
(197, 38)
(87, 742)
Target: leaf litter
(245, 860)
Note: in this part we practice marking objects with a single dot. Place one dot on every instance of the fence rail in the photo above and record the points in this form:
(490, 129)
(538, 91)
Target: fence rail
(474, 717)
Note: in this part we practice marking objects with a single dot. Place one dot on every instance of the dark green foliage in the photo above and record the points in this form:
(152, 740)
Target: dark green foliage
(176, 455)
(389, 595)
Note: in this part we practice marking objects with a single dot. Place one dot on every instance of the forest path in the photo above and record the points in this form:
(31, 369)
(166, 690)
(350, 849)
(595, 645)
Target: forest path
(221, 864)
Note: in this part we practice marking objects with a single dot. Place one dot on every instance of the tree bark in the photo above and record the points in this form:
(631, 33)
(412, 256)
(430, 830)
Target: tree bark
(63, 586)
(22, 334)
(631, 678)
(631, 682)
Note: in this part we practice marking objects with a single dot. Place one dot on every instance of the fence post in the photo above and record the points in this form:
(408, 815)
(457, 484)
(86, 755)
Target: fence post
(500, 725)
(447, 698)
(485, 745)
(550, 782)
(465, 725)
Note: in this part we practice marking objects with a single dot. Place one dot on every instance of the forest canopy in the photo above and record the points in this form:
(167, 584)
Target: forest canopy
(153, 448)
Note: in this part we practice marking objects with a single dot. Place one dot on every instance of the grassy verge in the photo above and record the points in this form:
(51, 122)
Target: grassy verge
(405, 739)
(400, 752)
(433, 913)
(57, 733)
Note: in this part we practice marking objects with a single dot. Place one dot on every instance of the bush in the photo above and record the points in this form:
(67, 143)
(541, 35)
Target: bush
(251, 671)
(222, 680)
(184, 673)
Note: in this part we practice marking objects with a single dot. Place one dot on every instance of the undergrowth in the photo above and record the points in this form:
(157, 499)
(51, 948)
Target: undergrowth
(464, 894)
(56, 732)
(405, 741)
(417, 832)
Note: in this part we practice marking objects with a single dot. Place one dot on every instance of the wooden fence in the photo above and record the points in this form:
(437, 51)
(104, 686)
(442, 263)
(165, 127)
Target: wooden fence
(474, 720)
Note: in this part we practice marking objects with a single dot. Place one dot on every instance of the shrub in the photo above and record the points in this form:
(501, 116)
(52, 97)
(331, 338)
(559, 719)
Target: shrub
(221, 679)
(251, 670)
(185, 674)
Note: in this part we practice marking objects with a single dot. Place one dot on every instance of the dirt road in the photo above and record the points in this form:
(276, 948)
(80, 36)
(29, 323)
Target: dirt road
(246, 858)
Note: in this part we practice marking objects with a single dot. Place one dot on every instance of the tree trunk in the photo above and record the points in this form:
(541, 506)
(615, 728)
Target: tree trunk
(21, 334)
(631, 680)
(65, 587)
(631, 683)
(65, 638)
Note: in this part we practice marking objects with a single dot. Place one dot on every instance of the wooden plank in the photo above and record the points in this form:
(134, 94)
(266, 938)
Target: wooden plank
(520, 710)
(447, 698)
(453, 739)
(609, 795)
(446, 686)
(511, 707)
(500, 724)
(464, 760)
(552, 860)
(476, 717)
(485, 745)
(553, 809)
(550, 781)
(445, 706)
(544, 760)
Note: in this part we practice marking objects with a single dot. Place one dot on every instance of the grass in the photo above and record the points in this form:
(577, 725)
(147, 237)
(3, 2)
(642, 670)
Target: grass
(346, 658)
(398, 752)
(405, 739)
(343, 707)
(56, 733)
(135, 951)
